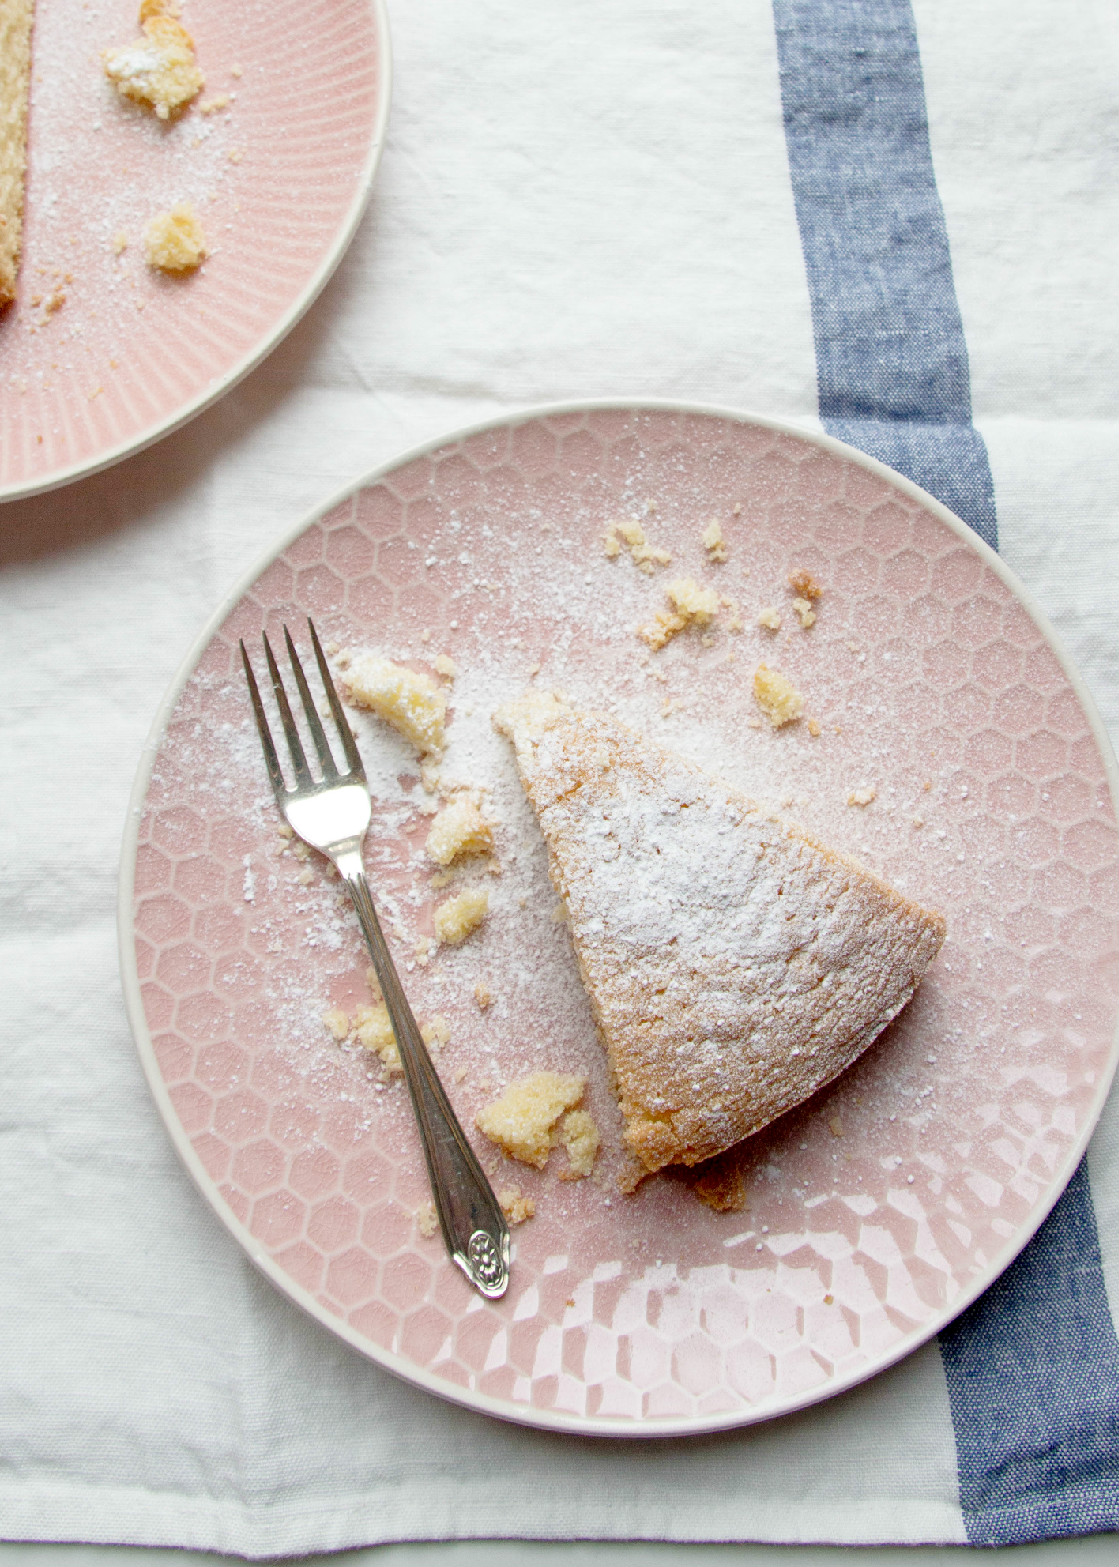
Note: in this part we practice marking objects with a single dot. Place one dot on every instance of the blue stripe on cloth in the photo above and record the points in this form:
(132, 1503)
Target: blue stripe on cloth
(1033, 1367)
(1033, 1378)
(891, 361)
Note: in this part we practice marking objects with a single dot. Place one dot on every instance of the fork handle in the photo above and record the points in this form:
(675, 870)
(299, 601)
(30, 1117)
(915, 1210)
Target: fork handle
(470, 1215)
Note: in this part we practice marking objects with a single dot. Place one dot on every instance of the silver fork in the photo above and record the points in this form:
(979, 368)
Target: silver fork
(332, 813)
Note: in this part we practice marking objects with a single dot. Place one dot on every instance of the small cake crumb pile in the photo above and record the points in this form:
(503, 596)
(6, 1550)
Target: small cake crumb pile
(777, 697)
(412, 703)
(427, 1220)
(337, 1024)
(805, 586)
(459, 830)
(579, 1136)
(445, 665)
(523, 1120)
(714, 543)
(174, 241)
(769, 618)
(806, 590)
(721, 1184)
(689, 605)
(437, 1033)
(158, 70)
(645, 556)
(862, 796)
(515, 1207)
(371, 1028)
(456, 918)
(483, 995)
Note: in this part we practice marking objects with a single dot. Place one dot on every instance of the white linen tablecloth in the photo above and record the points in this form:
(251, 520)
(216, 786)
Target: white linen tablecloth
(584, 198)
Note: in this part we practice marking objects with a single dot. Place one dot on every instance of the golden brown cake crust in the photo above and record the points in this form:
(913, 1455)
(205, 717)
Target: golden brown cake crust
(733, 964)
(15, 83)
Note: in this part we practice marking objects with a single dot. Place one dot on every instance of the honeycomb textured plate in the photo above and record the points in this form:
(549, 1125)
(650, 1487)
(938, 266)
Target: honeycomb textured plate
(859, 1224)
(99, 355)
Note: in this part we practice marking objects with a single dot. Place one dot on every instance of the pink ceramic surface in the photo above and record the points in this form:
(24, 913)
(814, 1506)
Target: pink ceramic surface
(279, 178)
(876, 1212)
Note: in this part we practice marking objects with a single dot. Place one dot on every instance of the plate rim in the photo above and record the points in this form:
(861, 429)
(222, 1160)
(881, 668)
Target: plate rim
(483, 1403)
(314, 286)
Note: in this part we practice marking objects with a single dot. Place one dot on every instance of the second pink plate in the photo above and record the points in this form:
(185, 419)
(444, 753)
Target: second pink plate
(99, 355)
(934, 695)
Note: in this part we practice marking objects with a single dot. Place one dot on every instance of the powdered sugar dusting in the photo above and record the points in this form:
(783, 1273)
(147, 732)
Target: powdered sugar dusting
(875, 1208)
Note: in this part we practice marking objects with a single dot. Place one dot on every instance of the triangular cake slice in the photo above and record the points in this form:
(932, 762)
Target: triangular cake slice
(733, 964)
(15, 85)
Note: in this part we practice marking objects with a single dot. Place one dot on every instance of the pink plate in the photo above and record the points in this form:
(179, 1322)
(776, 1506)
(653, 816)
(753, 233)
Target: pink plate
(874, 1214)
(279, 177)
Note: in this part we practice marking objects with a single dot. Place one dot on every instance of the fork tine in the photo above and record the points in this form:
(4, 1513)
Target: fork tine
(345, 733)
(272, 762)
(314, 723)
(303, 775)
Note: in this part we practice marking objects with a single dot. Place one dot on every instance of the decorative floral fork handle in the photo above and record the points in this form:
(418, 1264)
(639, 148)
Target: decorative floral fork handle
(332, 813)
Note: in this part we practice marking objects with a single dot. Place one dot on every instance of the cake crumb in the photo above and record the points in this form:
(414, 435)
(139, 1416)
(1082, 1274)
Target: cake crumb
(918, 821)
(769, 618)
(777, 697)
(158, 70)
(483, 995)
(522, 1122)
(804, 585)
(120, 243)
(174, 241)
(515, 1207)
(437, 1033)
(373, 1031)
(645, 556)
(713, 542)
(336, 1023)
(580, 1137)
(689, 605)
(804, 613)
(459, 830)
(814, 728)
(427, 1220)
(422, 950)
(455, 919)
(720, 1184)
(216, 104)
(412, 703)
(445, 665)
(835, 1126)
(862, 796)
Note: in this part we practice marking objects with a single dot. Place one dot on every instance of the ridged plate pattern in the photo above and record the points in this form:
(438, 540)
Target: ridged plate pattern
(279, 178)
